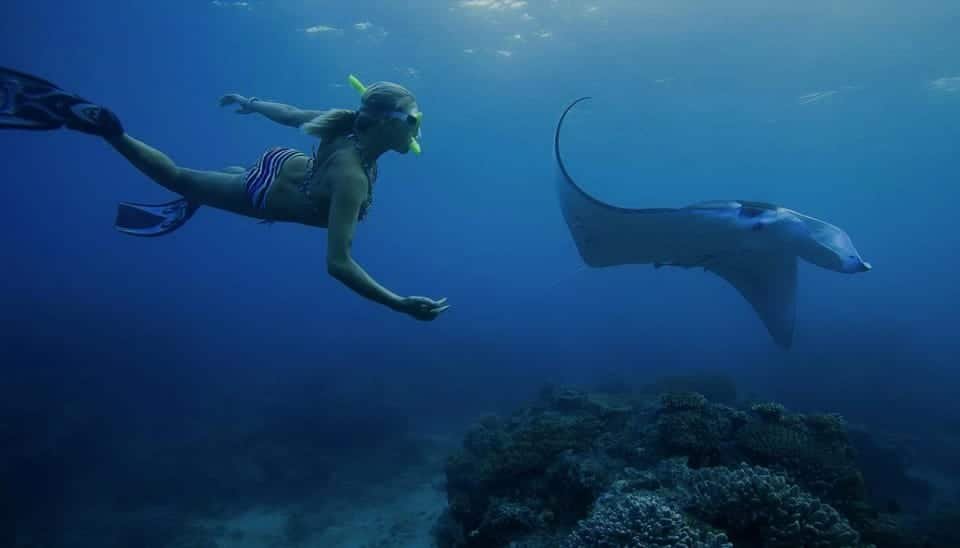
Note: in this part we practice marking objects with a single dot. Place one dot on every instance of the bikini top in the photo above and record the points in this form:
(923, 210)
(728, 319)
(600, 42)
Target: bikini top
(369, 168)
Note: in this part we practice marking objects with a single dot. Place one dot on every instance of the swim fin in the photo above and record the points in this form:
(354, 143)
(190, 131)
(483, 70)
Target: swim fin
(28, 102)
(153, 220)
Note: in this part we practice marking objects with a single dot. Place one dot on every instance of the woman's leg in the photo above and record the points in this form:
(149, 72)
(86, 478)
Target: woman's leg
(29, 102)
(211, 188)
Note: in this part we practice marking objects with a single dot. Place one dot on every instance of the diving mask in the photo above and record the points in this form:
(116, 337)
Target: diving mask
(413, 119)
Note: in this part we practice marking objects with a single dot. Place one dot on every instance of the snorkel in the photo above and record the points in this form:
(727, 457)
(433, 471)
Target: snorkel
(356, 84)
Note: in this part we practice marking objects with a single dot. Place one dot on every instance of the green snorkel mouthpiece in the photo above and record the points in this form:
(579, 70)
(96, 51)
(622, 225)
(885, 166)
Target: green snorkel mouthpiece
(356, 84)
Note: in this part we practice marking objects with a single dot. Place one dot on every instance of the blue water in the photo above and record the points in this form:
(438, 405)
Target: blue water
(228, 320)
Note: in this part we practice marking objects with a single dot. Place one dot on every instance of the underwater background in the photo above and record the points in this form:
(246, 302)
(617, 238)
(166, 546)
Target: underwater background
(216, 388)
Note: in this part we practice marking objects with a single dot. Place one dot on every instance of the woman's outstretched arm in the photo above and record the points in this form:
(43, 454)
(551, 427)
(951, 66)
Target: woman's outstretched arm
(348, 196)
(278, 112)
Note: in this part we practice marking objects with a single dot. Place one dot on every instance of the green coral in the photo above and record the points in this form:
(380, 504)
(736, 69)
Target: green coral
(717, 388)
(769, 442)
(530, 446)
(738, 418)
(813, 450)
(769, 411)
(683, 401)
(512, 459)
(540, 471)
(827, 426)
(503, 520)
(687, 433)
(688, 425)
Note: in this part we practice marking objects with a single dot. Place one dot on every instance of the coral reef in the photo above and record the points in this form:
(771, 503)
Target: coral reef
(715, 387)
(769, 411)
(884, 467)
(757, 507)
(683, 401)
(813, 450)
(516, 474)
(671, 469)
(634, 520)
(688, 426)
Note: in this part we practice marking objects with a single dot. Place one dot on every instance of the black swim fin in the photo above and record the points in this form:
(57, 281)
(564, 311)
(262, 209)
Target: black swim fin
(153, 220)
(28, 102)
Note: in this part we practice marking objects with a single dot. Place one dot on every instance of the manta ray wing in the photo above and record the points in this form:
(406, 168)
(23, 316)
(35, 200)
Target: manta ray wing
(701, 235)
(769, 283)
(608, 235)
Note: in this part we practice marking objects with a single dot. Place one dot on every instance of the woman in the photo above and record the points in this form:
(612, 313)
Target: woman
(331, 188)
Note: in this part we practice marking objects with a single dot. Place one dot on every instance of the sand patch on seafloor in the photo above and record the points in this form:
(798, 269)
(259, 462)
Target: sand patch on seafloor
(400, 519)
(398, 513)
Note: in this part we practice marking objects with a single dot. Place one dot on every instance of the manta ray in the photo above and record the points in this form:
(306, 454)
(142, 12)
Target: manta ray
(754, 246)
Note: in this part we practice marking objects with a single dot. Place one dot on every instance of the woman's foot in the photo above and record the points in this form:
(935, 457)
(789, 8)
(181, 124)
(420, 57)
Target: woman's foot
(28, 102)
(95, 120)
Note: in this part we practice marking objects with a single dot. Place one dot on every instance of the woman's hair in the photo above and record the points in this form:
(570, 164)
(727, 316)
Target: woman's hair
(380, 97)
(331, 124)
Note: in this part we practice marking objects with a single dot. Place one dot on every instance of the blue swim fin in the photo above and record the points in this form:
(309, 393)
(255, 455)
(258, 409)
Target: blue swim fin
(153, 220)
(28, 102)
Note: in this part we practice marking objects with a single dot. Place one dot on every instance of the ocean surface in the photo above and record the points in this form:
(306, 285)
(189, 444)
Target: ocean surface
(216, 388)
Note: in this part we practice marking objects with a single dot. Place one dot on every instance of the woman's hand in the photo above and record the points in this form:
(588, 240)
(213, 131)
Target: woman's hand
(236, 99)
(422, 308)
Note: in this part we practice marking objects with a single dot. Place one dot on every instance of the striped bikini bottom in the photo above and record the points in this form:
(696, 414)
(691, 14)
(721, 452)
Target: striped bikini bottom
(261, 176)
